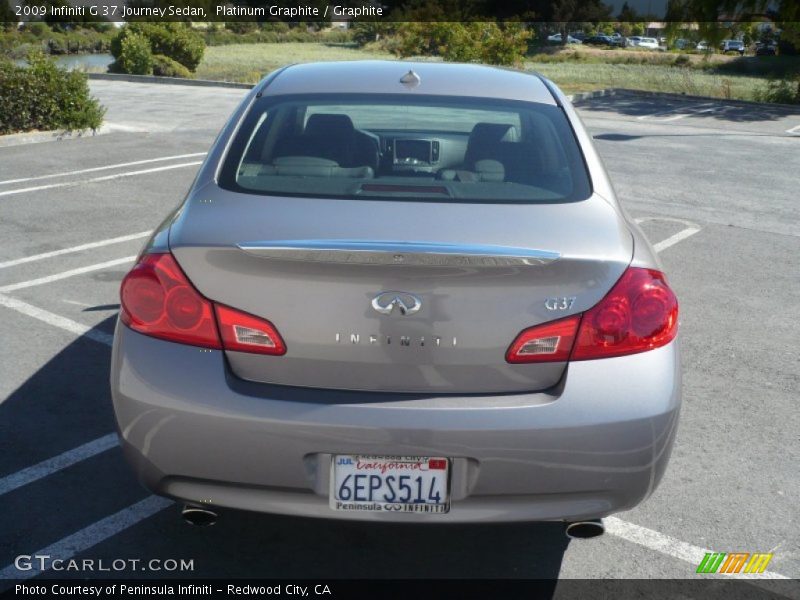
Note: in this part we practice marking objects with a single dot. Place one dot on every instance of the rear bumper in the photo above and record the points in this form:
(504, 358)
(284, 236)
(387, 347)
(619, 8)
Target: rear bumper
(595, 445)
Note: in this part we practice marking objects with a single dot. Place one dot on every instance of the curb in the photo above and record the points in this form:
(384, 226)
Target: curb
(595, 94)
(36, 137)
(673, 96)
(168, 80)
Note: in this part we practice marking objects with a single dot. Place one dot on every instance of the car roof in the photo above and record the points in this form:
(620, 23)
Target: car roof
(435, 78)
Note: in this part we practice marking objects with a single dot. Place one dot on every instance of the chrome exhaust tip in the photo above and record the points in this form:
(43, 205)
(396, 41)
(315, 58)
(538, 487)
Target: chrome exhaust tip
(583, 530)
(198, 516)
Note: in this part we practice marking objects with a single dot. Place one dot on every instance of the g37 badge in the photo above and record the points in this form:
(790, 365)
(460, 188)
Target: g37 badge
(559, 302)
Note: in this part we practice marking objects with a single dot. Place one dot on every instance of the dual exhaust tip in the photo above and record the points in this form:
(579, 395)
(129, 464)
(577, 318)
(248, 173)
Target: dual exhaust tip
(200, 516)
(584, 530)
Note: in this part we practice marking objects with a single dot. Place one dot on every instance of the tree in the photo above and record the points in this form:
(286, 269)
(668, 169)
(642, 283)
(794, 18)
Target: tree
(627, 14)
(8, 18)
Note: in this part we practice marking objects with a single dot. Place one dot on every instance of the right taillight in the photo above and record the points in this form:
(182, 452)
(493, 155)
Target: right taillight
(640, 313)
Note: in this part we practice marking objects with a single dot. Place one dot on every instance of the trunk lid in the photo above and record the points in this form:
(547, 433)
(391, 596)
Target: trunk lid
(399, 296)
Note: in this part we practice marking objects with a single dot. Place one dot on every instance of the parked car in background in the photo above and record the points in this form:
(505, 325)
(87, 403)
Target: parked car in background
(633, 40)
(702, 46)
(766, 49)
(400, 292)
(649, 43)
(557, 39)
(732, 46)
(599, 40)
(617, 39)
(681, 44)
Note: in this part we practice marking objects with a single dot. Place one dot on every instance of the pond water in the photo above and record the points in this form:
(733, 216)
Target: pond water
(91, 62)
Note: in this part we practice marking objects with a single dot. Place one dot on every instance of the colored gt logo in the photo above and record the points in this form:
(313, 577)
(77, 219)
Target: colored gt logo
(385, 303)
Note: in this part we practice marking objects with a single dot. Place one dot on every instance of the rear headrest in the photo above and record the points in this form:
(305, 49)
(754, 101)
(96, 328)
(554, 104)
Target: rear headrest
(325, 125)
(492, 133)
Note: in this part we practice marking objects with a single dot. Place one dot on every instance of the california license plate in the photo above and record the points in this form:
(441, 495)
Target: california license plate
(402, 484)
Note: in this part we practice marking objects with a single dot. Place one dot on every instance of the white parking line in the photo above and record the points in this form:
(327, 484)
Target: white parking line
(50, 186)
(92, 535)
(114, 524)
(794, 130)
(65, 274)
(52, 465)
(674, 239)
(682, 113)
(54, 320)
(105, 168)
(665, 544)
(89, 246)
(690, 230)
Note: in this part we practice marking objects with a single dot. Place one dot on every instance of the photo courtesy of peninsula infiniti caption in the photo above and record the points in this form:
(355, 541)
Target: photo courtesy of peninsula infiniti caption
(400, 292)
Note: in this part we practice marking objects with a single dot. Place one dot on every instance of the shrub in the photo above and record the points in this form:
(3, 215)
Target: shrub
(174, 40)
(164, 66)
(506, 45)
(682, 60)
(242, 26)
(135, 56)
(37, 28)
(465, 42)
(782, 91)
(42, 96)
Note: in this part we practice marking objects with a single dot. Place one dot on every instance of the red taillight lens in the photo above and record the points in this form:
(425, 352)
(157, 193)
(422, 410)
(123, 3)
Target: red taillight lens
(639, 313)
(245, 333)
(158, 300)
(549, 342)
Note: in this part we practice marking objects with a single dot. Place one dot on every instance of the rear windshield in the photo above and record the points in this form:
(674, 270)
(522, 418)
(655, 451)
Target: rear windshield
(407, 148)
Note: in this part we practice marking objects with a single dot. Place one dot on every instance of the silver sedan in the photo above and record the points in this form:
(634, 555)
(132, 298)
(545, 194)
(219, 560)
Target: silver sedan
(400, 292)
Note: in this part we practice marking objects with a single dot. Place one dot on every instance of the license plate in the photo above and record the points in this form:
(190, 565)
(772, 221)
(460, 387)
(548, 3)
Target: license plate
(402, 484)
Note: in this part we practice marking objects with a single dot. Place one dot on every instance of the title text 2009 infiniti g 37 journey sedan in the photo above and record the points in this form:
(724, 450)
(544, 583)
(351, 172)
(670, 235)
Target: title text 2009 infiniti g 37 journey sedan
(400, 292)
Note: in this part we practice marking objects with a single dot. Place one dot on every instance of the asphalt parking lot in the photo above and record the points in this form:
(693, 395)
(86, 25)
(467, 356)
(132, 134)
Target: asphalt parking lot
(715, 187)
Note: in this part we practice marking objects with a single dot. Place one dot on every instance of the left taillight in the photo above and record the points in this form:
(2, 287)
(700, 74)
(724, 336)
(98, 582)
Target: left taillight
(159, 300)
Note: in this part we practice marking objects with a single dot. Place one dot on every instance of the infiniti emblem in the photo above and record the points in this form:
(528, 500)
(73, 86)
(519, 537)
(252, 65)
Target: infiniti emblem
(385, 303)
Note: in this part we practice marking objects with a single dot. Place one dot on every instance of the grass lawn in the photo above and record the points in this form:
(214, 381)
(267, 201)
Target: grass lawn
(582, 77)
(589, 70)
(250, 62)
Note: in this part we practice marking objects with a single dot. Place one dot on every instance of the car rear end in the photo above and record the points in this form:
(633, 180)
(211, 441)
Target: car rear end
(437, 336)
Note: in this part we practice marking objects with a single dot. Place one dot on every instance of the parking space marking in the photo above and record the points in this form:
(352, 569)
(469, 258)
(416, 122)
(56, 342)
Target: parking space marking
(114, 524)
(50, 186)
(665, 544)
(682, 112)
(65, 274)
(105, 168)
(62, 461)
(54, 320)
(794, 130)
(92, 535)
(674, 239)
(689, 230)
(89, 246)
